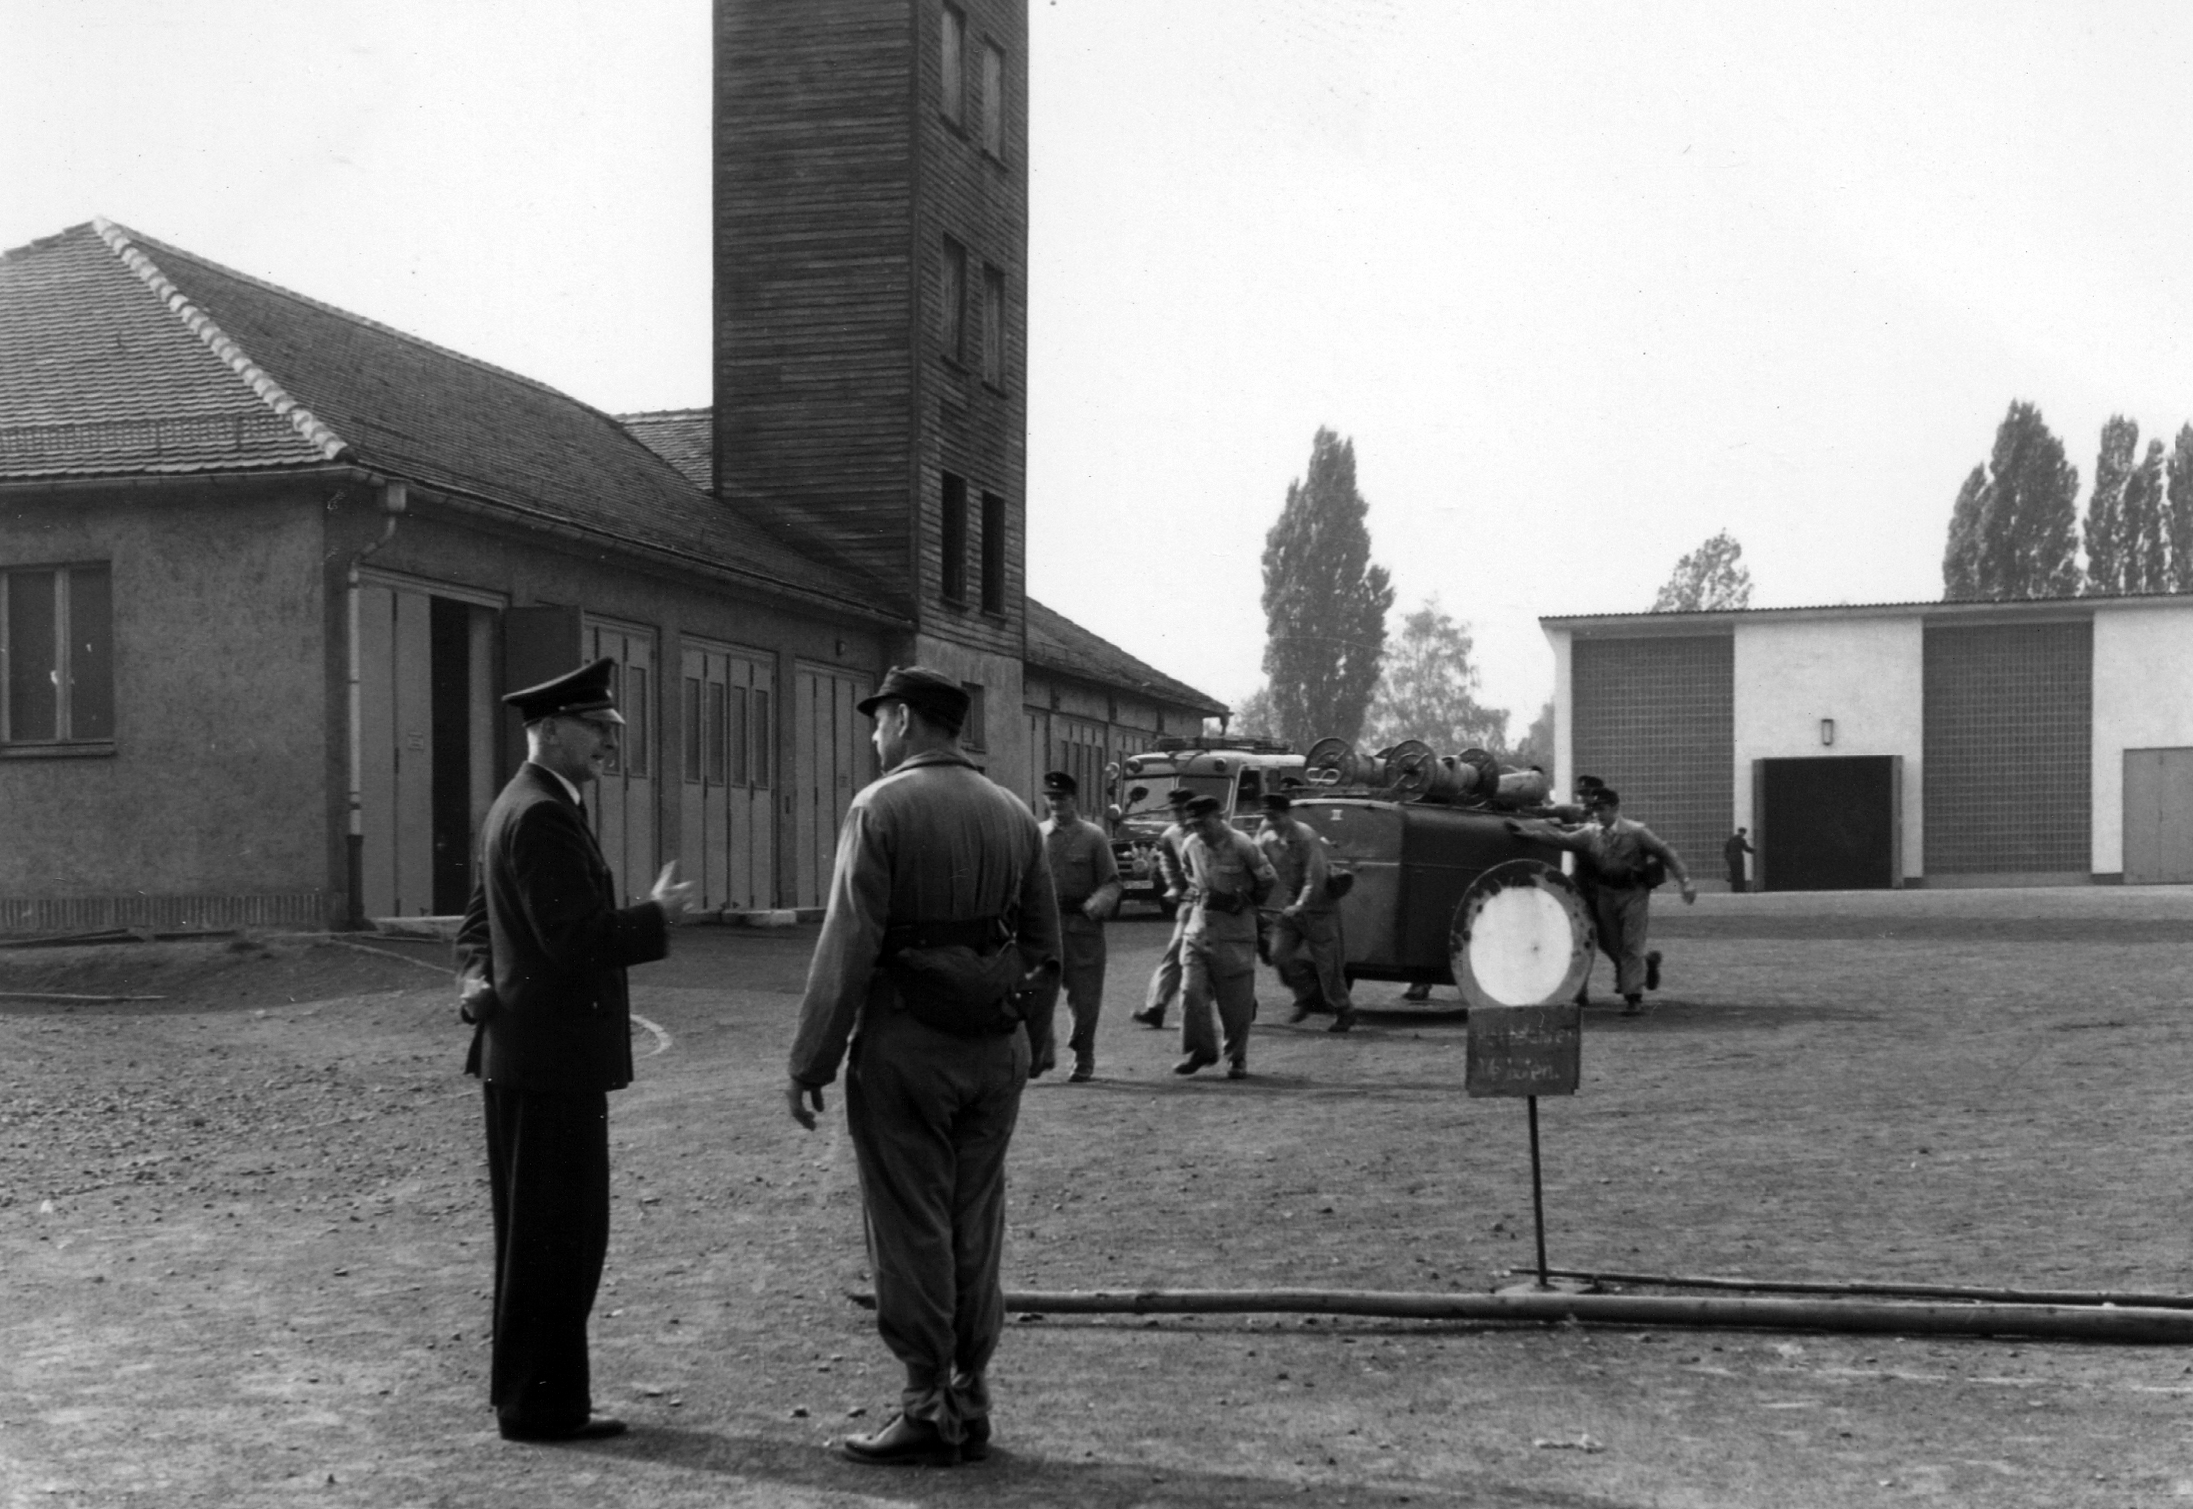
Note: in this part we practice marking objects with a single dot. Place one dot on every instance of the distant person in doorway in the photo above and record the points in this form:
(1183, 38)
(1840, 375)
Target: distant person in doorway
(1734, 851)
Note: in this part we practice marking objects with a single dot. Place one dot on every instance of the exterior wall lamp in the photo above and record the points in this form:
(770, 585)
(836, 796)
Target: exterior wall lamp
(1827, 730)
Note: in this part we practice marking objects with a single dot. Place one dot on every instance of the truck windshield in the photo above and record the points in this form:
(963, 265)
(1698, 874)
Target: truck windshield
(1146, 794)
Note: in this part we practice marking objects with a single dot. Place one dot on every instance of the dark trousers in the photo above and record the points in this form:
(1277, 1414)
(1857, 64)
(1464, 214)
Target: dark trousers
(1081, 979)
(931, 1117)
(548, 1175)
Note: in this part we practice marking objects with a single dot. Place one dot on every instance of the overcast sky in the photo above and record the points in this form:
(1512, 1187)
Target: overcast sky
(1585, 283)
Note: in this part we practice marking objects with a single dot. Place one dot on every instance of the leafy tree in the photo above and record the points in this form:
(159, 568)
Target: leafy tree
(1712, 577)
(1325, 604)
(1961, 556)
(2146, 533)
(1537, 746)
(2178, 514)
(2105, 510)
(1428, 689)
(2019, 536)
(1253, 718)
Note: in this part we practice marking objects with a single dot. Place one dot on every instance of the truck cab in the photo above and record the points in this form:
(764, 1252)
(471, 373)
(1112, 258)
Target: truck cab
(1238, 771)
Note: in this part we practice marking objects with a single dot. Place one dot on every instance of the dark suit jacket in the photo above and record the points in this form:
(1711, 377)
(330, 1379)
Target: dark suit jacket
(544, 925)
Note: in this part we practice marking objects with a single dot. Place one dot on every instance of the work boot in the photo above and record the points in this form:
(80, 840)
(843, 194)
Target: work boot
(1301, 1013)
(1652, 970)
(1344, 1022)
(1238, 1069)
(1195, 1061)
(1150, 1017)
(1631, 1005)
(1084, 1071)
(1418, 991)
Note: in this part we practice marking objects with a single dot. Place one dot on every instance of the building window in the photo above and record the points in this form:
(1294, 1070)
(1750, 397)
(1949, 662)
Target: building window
(952, 580)
(993, 99)
(57, 643)
(952, 311)
(955, 69)
(993, 553)
(993, 327)
(971, 732)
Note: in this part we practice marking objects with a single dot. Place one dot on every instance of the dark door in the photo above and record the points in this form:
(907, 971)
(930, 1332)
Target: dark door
(1828, 824)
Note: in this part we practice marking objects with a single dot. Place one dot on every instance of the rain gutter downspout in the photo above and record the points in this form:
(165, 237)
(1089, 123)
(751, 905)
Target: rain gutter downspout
(393, 503)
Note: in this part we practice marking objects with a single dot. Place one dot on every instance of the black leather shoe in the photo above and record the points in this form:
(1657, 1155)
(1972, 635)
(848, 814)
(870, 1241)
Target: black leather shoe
(1238, 1069)
(1154, 1019)
(1652, 970)
(1193, 1062)
(975, 1445)
(1299, 1014)
(902, 1443)
(599, 1428)
(1345, 1022)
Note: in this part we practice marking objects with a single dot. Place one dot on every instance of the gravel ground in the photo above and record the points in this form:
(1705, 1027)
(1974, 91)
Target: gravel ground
(245, 1234)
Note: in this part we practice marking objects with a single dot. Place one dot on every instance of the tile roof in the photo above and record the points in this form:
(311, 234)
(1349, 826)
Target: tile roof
(686, 438)
(1057, 643)
(120, 354)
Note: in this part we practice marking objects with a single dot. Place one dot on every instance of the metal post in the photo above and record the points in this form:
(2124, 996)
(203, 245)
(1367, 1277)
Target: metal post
(1538, 1197)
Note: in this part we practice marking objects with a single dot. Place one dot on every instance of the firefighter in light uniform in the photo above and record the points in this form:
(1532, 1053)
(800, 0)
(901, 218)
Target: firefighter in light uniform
(1086, 878)
(1227, 876)
(1172, 871)
(1306, 946)
(1613, 851)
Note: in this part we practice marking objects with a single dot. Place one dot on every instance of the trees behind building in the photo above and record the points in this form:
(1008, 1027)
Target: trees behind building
(1325, 602)
(1713, 577)
(2015, 530)
(1428, 689)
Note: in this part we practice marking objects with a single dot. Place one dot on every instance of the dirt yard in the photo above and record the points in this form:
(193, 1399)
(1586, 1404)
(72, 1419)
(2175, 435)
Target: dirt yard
(245, 1234)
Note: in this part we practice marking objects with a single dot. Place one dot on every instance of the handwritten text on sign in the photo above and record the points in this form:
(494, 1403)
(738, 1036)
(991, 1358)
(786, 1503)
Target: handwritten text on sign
(1524, 1050)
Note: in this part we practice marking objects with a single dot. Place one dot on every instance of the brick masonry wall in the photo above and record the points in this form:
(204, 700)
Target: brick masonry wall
(1655, 719)
(2008, 777)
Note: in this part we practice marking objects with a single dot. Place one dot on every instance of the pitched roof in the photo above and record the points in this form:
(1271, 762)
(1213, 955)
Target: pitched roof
(120, 354)
(1057, 643)
(686, 438)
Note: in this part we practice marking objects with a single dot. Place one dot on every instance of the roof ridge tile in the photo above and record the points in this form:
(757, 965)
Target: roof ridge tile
(303, 420)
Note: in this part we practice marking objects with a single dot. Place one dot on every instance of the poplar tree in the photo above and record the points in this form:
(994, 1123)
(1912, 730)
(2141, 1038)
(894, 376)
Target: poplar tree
(2017, 536)
(2105, 510)
(2178, 511)
(1325, 603)
(2146, 532)
(1961, 555)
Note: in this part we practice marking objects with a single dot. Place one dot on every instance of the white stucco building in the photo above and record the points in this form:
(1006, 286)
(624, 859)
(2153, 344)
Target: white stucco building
(1903, 744)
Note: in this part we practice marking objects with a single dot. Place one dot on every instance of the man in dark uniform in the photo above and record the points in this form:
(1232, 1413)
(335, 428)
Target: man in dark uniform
(936, 851)
(1172, 880)
(541, 956)
(1733, 852)
(1085, 876)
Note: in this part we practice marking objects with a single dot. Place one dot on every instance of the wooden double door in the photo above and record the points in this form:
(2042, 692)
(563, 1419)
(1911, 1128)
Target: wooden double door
(727, 723)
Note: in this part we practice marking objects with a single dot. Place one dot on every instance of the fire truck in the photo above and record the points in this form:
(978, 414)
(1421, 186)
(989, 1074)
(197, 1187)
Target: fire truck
(1238, 771)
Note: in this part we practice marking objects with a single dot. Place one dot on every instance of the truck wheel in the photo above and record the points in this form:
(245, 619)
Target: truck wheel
(1521, 937)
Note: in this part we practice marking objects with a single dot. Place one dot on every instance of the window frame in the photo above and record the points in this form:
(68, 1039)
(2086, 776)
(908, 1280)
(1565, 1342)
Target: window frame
(71, 687)
(993, 552)
(990, 95)
(952, 539)
(952, 67)
(952, 305)
(994, 301)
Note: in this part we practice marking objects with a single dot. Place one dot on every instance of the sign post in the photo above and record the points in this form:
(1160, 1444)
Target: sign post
(1526, 1051)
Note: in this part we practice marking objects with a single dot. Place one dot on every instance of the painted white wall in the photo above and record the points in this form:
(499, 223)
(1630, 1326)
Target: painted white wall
(1564, 712)
(2143, 699)
(1867, 674)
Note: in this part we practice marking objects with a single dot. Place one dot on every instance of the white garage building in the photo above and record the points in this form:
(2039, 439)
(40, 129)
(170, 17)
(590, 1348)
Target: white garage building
(1902, 744)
